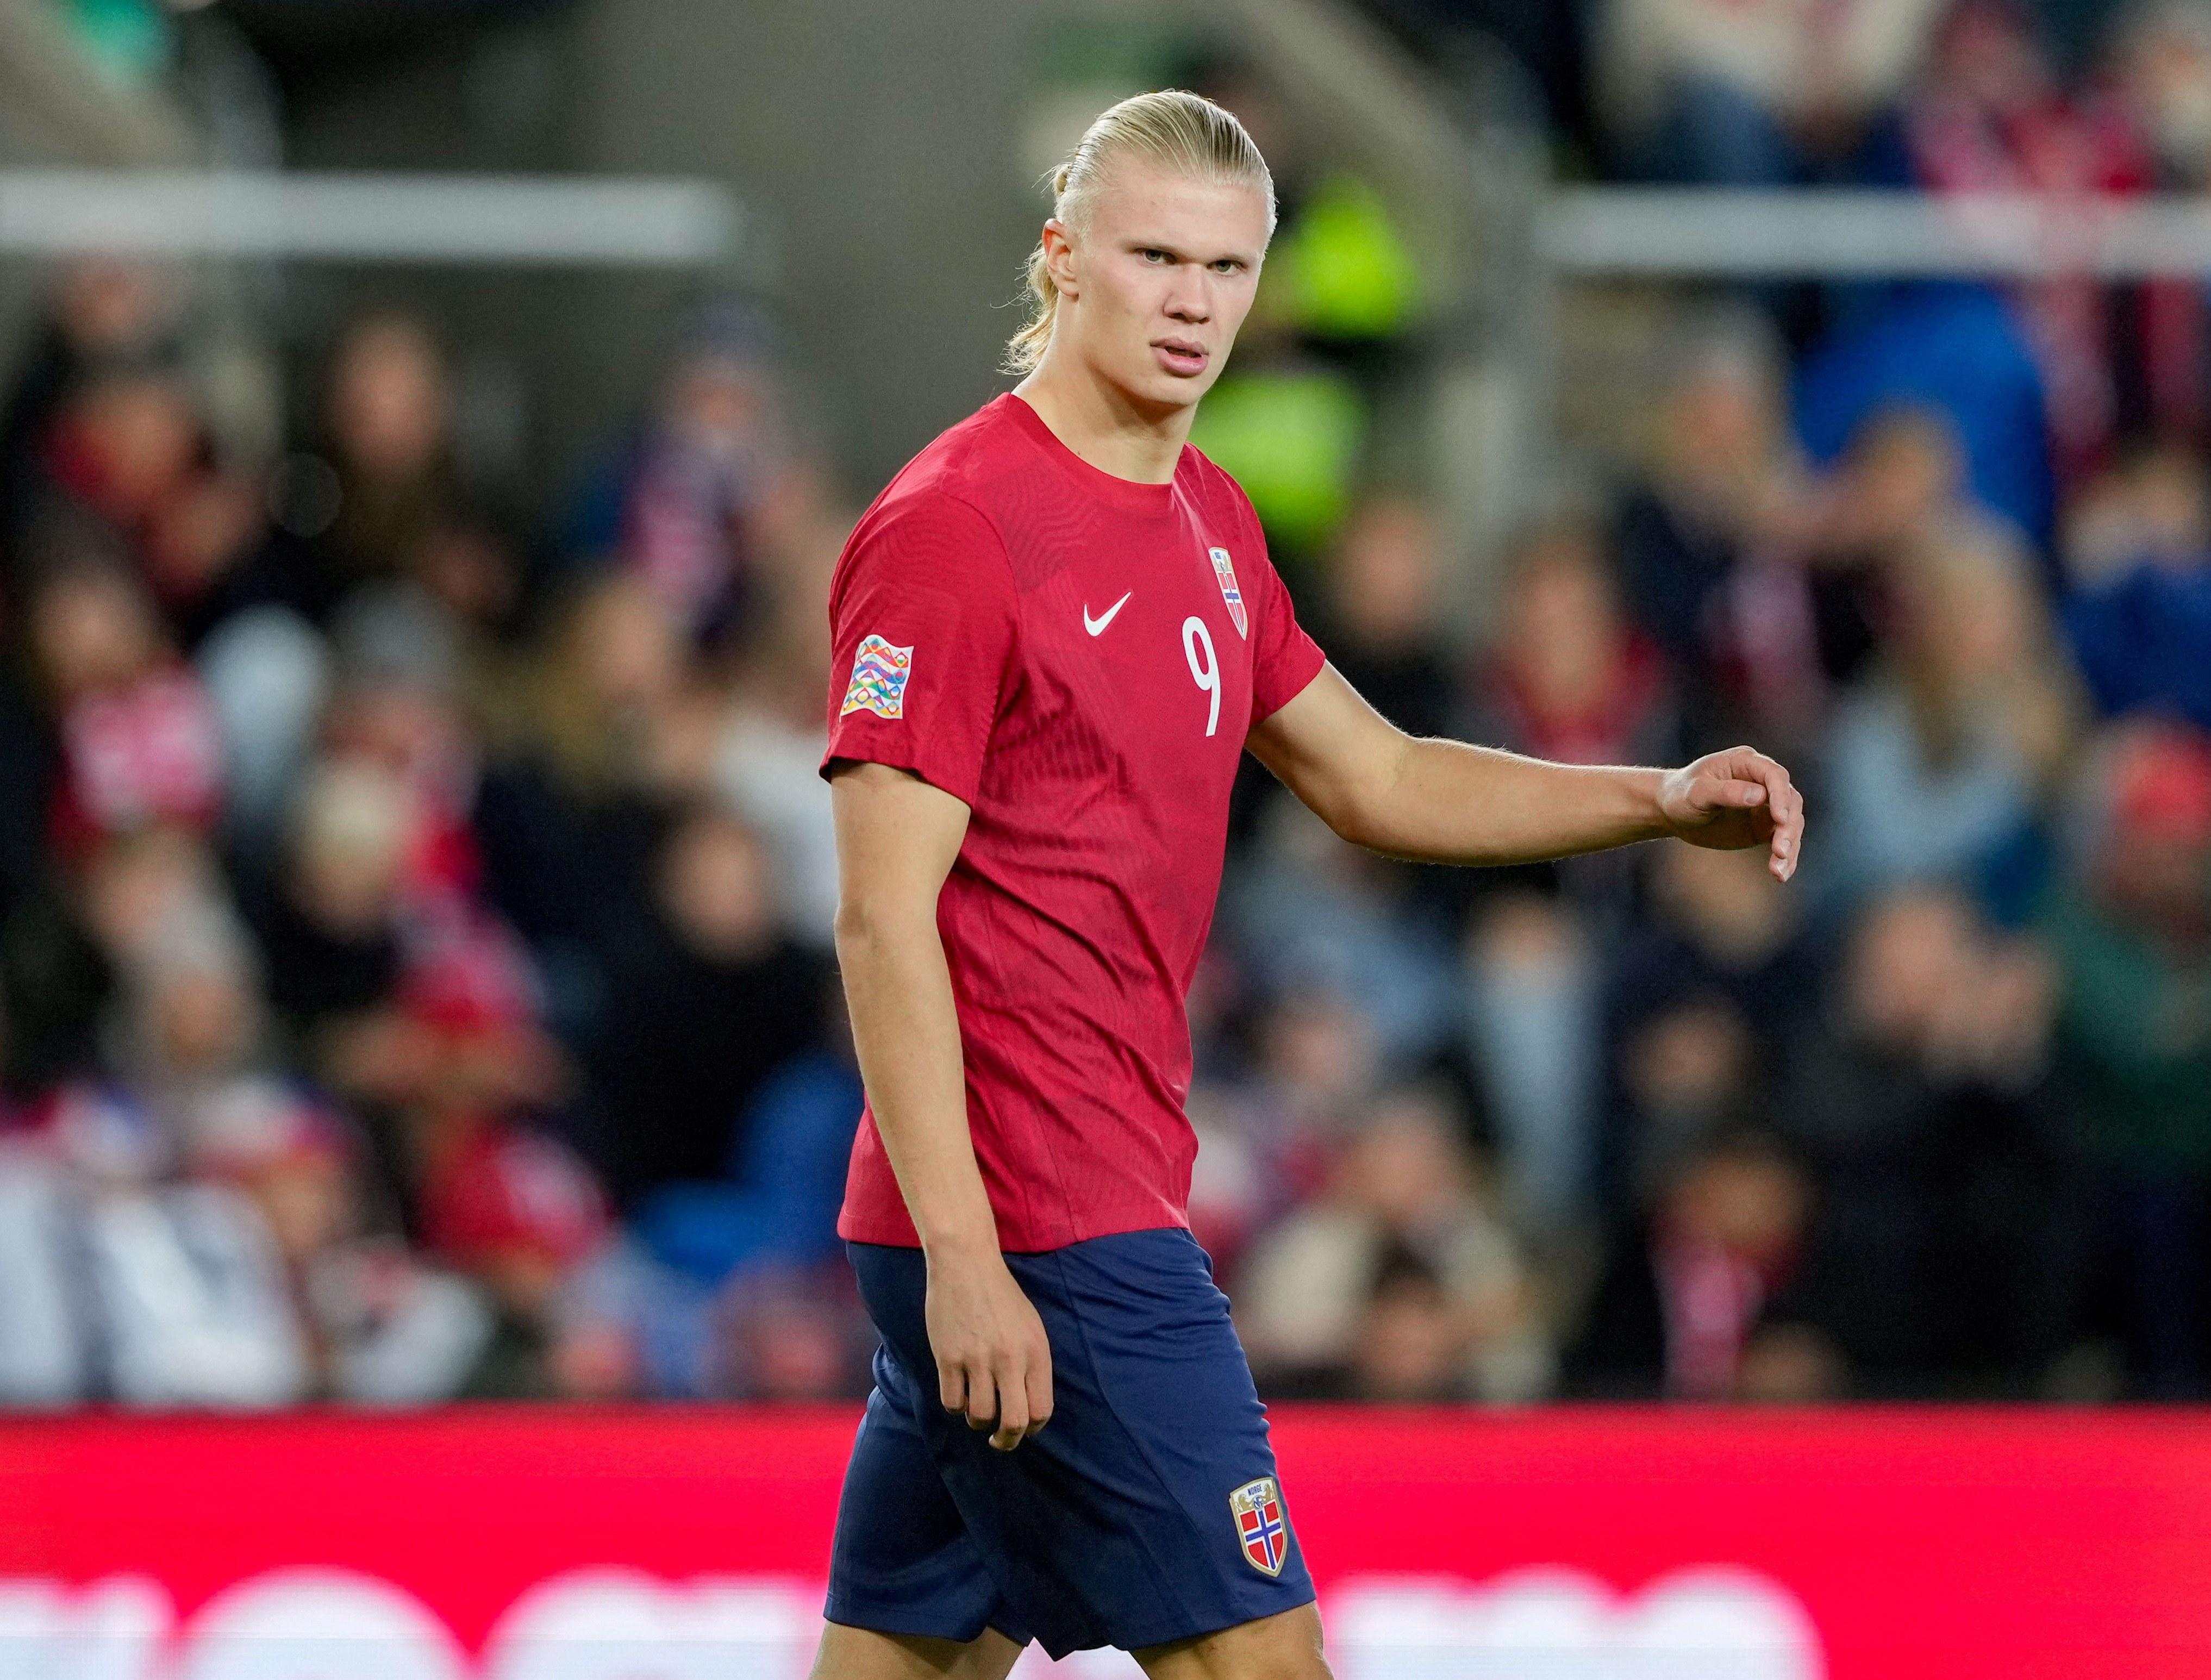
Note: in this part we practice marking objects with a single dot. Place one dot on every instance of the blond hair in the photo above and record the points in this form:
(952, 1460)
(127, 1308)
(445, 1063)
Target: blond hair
(1181, 132)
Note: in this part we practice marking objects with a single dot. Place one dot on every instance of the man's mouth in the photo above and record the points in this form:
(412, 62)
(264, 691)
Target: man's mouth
(1185, 356)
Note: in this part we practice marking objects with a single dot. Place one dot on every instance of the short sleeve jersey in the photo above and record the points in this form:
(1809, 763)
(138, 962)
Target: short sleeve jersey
(1077, 657)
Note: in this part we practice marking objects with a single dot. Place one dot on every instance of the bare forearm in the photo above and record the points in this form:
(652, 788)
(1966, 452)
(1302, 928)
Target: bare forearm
(906, 1031)
(1444, 802)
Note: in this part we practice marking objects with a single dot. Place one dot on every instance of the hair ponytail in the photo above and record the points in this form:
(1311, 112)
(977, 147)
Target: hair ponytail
(1174, 130)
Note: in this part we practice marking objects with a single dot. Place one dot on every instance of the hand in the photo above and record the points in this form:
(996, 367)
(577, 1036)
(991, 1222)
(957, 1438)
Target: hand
(993, 1361)
(1733, 800)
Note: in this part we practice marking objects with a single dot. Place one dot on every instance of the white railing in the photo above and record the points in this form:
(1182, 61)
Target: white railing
(586, 221)
(1838, 234)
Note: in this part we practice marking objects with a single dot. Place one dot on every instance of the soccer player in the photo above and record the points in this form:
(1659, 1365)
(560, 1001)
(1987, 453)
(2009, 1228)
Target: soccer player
(1054, 633)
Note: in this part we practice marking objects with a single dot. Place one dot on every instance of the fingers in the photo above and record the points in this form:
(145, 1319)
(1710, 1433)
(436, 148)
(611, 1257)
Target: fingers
(993, 1358)
(1781, 797)
(1011, 1400)
(1744, 780)
(1024, 1396)
(1723, 792)
(1013, 1426)
(982, 1407)
(1040, 1392)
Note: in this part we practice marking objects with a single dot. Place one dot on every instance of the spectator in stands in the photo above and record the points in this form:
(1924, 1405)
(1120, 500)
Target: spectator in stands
(1342, 921)
(1966, 722)
(191, 1301)
(612, 727)
(145, 886)
(1383, 628)
(103, 312)
(1408, 1348)
(1897, 491)
(1291, 428)
(1317, 1063)
(1767, 94)
(1685, 1297)
(1716, 938)
(1955, 353)
(1689, 1071)
(329, 924)
(65, 944)
(369, 1322)
(45, 1343)
(2159, 74)
(1401, 1282)
(709, 997)
(1534, 1035)
(1571, 677)
(123, 441)
(207, 551)
(170, 1294)
(767, 762)
(773, 1204)
(736, 1288)
(137, 737)
(1695, 541)
(1232, 1192)
(1992, 116)
(499, 1197)
(789, 1338)
(392, 707)
(469, 582)
(682, 510)
(1942, 1169)
(380, 1326)
(2137, 611)
(187, 1033)
(2132, 937)
(2161, 61)
(387, 420)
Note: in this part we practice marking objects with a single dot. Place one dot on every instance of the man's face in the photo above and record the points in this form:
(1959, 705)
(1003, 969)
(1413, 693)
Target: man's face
(1154, 286)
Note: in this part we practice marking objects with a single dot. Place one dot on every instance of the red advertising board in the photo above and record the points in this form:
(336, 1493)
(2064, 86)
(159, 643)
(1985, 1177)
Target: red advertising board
(551, 1544)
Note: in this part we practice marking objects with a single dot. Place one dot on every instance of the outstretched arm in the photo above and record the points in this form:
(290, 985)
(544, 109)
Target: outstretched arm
(897, 838)
(1443, 801)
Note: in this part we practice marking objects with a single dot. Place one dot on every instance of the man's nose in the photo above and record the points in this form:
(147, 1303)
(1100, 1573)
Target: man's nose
(1188, 302)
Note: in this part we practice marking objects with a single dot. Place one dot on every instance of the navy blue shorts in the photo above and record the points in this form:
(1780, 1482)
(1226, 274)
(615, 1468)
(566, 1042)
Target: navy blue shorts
(1146, 1511)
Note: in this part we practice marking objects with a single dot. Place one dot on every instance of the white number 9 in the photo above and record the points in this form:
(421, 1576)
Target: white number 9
(1208, 675)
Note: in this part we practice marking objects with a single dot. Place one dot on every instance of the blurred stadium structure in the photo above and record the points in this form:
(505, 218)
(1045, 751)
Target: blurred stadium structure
(428, 426)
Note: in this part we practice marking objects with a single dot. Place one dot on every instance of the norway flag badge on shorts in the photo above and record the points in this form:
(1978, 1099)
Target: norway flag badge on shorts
(1260, 1525)
(879, 674)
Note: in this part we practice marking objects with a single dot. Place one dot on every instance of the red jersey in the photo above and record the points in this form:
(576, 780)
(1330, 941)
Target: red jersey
(1077, 657)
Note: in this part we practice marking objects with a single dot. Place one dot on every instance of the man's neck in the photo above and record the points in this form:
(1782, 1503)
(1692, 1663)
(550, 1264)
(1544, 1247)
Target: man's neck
(1101, 426)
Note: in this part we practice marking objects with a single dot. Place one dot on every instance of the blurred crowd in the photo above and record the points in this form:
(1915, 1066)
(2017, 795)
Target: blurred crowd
(1935, 1121)
(415, 978)
(414, 944)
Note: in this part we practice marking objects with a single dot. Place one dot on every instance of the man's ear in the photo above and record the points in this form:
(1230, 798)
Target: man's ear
(1059, 258)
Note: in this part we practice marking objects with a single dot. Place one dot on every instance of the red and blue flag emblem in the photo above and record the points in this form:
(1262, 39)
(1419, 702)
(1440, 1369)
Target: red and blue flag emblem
(1229, 592)
(1260, 1524)
(879, 674)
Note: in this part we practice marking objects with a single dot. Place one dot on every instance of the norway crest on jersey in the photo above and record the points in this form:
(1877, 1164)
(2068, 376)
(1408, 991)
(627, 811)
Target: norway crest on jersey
(1261, 1526)
(1225, 572)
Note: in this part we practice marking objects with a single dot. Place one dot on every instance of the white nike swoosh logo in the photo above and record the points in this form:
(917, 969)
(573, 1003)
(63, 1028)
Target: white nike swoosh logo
(1094, 625)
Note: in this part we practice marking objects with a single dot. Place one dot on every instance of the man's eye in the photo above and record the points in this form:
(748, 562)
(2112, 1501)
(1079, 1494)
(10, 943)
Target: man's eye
(1155, 256)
